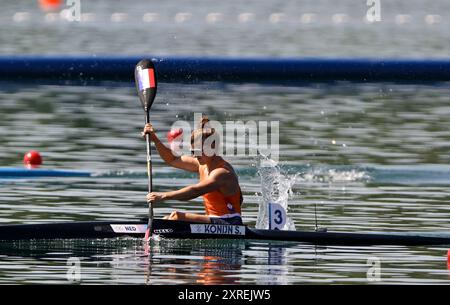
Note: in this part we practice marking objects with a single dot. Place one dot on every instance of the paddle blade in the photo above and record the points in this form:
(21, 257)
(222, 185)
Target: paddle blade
(146, 82)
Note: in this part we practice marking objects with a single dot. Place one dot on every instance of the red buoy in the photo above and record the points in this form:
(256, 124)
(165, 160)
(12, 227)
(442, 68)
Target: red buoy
(175, 139)
(50, 5)
(32, 159)
(173, 134)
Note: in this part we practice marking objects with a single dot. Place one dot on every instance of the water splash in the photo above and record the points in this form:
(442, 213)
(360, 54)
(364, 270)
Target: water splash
(276, 187)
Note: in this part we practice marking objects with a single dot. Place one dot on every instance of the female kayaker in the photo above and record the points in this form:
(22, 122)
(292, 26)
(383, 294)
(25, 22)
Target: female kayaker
(218, 183)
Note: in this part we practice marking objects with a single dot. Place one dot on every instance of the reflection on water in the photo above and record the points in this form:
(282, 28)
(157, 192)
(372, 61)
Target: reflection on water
(372, 157)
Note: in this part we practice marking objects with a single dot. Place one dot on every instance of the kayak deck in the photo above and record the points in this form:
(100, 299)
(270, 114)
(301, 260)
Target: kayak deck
(185, 230)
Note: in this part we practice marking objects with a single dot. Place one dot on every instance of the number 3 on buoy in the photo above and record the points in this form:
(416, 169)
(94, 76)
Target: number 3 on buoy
(277, 216)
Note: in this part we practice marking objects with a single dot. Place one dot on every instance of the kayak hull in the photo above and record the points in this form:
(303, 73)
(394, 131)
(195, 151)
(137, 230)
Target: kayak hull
(185, 230)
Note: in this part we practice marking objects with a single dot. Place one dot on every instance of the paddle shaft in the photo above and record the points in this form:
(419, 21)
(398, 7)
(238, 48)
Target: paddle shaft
(149, 175)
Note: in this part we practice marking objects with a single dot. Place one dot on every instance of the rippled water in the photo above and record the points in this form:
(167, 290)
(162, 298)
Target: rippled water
(372, 157)
(216, 262)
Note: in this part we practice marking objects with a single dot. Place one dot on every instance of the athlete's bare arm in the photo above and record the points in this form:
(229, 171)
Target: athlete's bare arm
(218, 180)
(182, 162)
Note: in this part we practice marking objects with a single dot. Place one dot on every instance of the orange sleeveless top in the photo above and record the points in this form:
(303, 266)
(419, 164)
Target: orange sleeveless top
(216, 203)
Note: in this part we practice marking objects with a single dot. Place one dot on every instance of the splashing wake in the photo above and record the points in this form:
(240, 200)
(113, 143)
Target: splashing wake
(276, 187)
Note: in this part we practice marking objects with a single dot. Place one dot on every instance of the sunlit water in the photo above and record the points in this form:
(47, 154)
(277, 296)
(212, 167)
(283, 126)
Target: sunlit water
(370, 157)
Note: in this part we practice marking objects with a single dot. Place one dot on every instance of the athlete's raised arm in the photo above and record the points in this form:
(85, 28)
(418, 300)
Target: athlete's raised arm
(187, 163)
